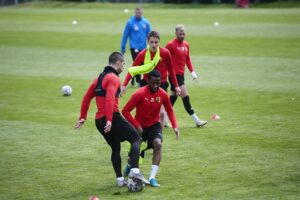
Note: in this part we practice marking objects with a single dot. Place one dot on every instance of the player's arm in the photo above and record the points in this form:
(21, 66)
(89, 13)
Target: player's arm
(190, 65)
(125, 36)
(130, 105)
(139, 60)
(111, 91)
(125, 83)
(171, 114)
(89, 95)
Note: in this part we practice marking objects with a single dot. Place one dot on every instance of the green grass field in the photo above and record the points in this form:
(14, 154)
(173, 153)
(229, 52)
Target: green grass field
(249, 74)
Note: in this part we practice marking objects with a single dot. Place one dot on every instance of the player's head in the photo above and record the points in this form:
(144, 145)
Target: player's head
(116, 60)
(138, 12)
(154, 79)
(153, 40)
(179, 32)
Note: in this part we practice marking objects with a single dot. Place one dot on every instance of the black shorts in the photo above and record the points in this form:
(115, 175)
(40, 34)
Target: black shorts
(152, 132)
(121, 130)
(163, 85)
(180, 80)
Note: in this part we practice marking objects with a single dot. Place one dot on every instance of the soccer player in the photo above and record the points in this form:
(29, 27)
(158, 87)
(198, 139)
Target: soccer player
(164, 66)
(147, 102)
(109, 121)
(180, 53)
(137, 29)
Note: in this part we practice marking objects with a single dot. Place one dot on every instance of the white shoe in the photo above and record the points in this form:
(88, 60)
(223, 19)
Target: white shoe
(200, 123)
(135, 173)
(121, 182)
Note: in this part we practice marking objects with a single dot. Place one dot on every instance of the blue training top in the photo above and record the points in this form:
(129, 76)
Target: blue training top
(137, 31)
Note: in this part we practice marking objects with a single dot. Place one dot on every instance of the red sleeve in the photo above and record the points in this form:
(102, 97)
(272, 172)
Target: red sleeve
(131, 104)
(188, 60)
(169, 110)
(171, 68)
(139, 60)
(113, 83)
(127, 79)
(89, 95)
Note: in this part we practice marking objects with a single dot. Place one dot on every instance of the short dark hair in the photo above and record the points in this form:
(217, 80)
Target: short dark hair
(153, 34)
(154, 73)
(115, 57)
(138, 8)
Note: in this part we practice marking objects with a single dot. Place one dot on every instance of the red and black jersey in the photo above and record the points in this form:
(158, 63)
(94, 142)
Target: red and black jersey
(147, 106)
(180, 53)
(164, 66)
(107, 101)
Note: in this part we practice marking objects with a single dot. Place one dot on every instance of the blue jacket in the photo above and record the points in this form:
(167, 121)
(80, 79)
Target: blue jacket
(137, 31)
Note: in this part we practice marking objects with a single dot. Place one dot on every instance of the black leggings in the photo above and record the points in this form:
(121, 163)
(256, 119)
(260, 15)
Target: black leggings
(121, 130)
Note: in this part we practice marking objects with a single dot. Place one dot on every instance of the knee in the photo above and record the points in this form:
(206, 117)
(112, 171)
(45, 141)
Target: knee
(157, 145)
(136, 144)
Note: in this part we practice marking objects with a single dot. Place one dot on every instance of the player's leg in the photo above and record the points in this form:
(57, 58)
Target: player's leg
(156, 152)
(173, 96)
(138, 79)
(154, 138)
(188, 107)
(127, 132)
(114, 143)
(115, 156)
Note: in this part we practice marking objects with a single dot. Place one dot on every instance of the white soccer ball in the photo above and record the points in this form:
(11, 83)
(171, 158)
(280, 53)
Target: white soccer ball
(66, 90)
(74, 22)
(216, 23)
(135, 185)
(126, 10)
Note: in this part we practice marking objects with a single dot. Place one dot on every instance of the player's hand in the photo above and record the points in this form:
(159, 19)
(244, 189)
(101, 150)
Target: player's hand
(140, 130)
(123, 90)
(79, 124)
(194, 76)
(177, 133)
(107, 127)
(178, 91)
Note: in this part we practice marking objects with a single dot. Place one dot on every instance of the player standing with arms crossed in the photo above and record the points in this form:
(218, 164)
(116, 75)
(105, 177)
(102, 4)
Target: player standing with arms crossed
(147, 102)
(180, 53)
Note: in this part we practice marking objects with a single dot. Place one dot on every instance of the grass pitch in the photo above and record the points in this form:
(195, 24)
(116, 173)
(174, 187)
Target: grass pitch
(249, 75)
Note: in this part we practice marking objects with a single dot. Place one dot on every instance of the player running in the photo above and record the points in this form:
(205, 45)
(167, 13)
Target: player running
(180, 53)
(109, 122)
(147, 102)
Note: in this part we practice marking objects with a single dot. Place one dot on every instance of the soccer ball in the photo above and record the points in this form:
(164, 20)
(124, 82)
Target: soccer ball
(66, 90)
(135, 185)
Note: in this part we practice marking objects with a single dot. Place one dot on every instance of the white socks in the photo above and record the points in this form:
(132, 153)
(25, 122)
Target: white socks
(153, 172)
(195, 118)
